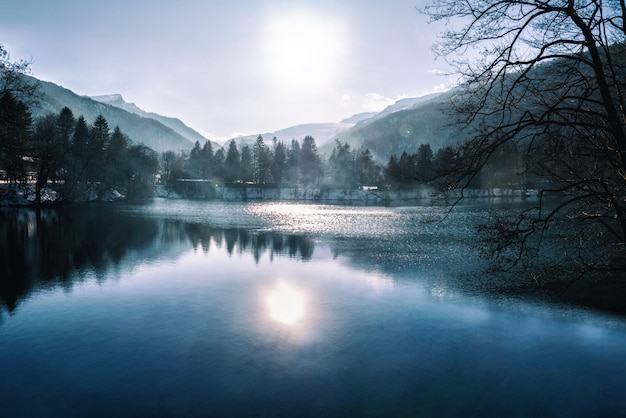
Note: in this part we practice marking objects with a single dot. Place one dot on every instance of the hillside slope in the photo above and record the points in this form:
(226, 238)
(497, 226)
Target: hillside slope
(175, 124)
(150, 132)
(395, 131)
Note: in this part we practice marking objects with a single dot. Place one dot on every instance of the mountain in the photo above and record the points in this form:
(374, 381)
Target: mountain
(139, 129)
(322, 132)
(359, 117)
(402, 104)
(173, 123)
(400, 127)
(403, 126)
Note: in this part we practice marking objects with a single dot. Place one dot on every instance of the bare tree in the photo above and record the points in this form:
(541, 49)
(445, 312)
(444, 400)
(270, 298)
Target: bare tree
(14, 78)
(545, 76)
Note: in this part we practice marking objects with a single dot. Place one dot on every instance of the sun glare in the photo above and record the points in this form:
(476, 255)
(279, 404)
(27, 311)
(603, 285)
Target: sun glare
(304, 50)
(286, 304)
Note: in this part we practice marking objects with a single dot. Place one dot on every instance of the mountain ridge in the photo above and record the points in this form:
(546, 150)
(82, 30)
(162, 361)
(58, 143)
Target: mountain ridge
(325, 134)
(402, 126)
(175, 124)
(322, 132)
(150, 132)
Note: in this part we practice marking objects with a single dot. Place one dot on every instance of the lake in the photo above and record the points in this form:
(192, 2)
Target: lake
(189, 308)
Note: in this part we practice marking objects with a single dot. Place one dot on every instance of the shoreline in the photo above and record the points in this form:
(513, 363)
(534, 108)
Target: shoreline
(19, 195)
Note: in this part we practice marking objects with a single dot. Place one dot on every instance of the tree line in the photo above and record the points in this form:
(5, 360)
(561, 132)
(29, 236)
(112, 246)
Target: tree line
(300, 165)
(278, 164)
(82, 161)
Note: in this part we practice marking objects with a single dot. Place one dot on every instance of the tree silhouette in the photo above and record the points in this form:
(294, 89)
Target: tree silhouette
(15, 121)
(545, 78)
(262, 161)
(279, 162)
(232, 163)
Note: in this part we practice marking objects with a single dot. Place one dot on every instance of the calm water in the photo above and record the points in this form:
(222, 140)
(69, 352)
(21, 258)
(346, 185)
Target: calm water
(192, 309)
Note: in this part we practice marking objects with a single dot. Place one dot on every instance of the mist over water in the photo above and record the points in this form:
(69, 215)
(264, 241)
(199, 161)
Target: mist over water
(193, 309)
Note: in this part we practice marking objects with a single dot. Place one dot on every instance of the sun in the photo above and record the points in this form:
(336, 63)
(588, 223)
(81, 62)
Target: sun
(303, 50)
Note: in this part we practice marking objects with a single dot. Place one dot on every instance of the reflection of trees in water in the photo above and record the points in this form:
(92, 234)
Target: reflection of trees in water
(57, 247)
(243, 240)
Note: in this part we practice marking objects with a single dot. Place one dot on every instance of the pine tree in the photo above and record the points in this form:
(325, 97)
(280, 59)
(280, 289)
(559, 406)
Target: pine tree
(232, 164)
(310, 162)
(99, 137)
(279, 162)
(262, 161)
(247, 164)
(293, 163)
(206, 162)
(116, 160)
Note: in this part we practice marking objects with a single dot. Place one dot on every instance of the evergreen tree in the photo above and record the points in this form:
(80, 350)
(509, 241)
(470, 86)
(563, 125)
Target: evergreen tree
(116, 160)
(65, 126)
(15, 121)
(206, 161)
(44, 149)
(75, 173)
(262, 161)
(279, 162)
(424, 163)
(392, 170)
(444, 165)
(219, 164)
(65, 123)
(247, 164)
(194, 163)
(341, 166)
(367, 171)
(310, 162)
(232, 164)
(406, 169)
(80, 138)
(99, 137)
(293, 162)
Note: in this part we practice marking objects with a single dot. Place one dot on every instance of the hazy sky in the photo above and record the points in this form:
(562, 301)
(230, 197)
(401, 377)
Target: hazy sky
(229, 67)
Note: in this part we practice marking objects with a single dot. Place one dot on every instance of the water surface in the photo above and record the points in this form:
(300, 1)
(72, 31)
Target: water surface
(194, 309)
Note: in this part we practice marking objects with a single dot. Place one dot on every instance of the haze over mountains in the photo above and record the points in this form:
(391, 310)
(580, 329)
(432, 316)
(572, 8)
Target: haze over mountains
(403, 126)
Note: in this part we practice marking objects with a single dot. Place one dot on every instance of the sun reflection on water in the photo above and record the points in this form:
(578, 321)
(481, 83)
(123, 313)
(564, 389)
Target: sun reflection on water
(286, 304)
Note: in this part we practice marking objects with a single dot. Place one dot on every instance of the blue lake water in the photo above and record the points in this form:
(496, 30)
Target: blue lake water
(183, 308)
